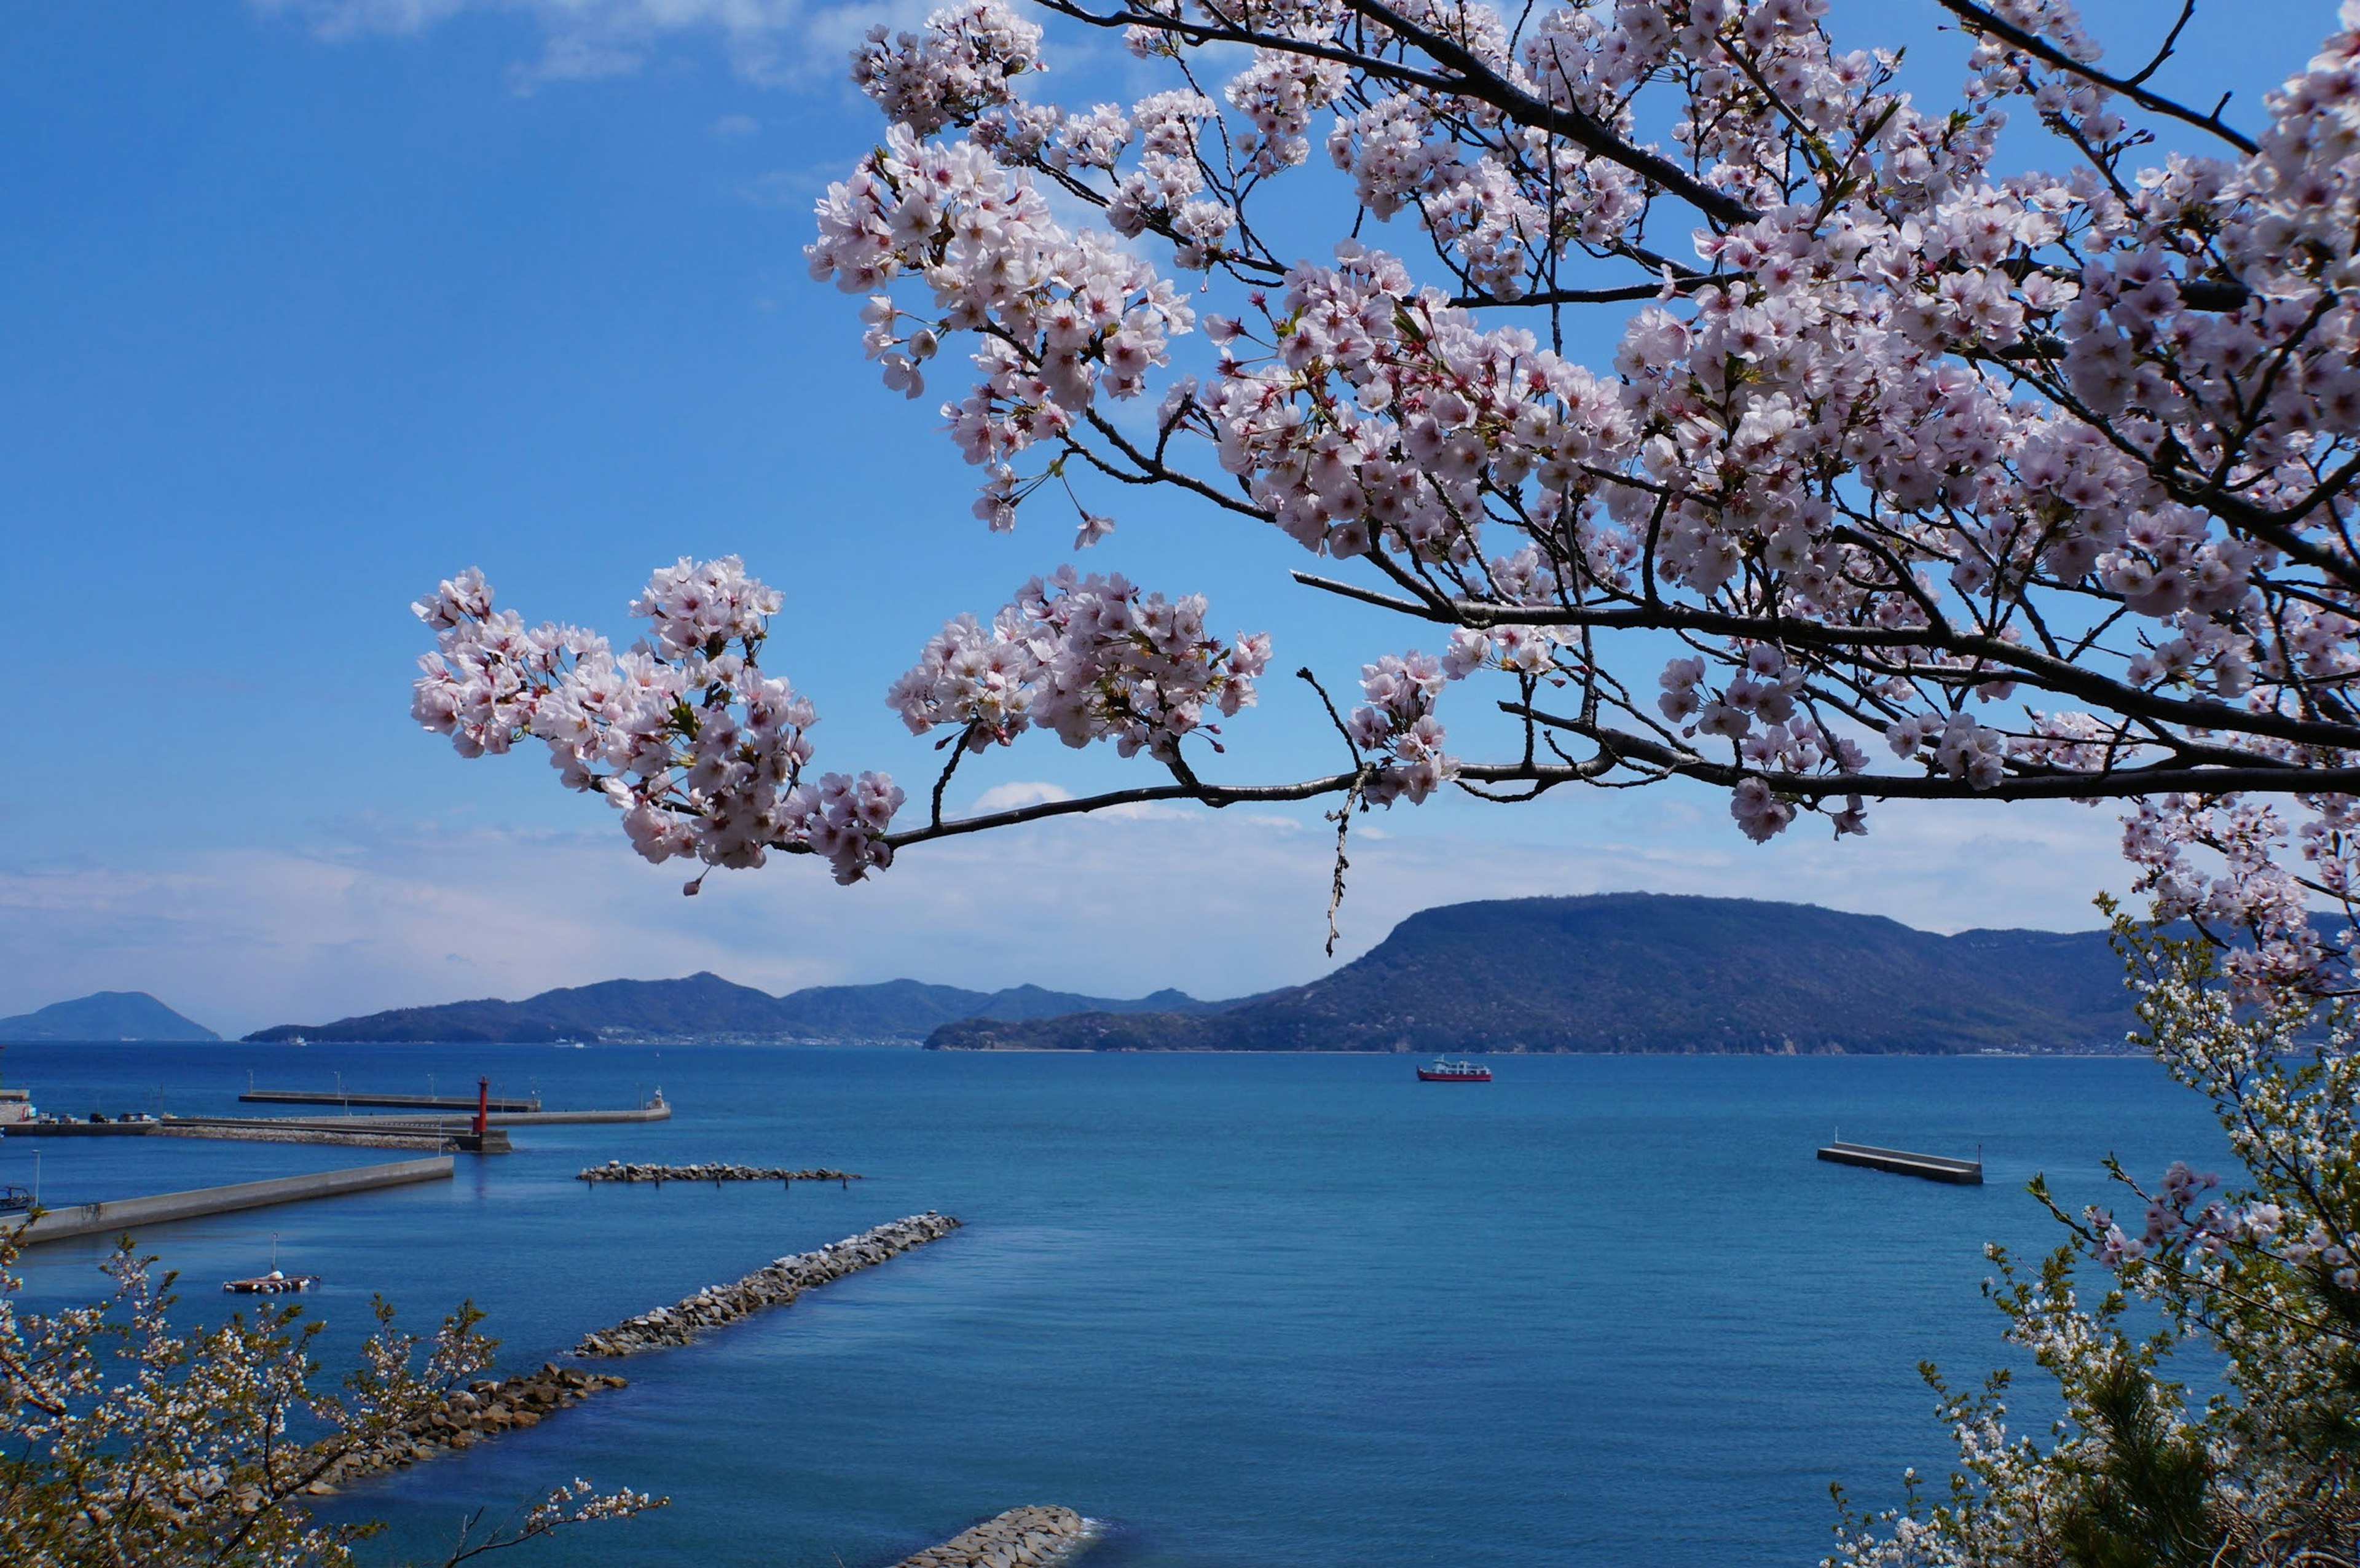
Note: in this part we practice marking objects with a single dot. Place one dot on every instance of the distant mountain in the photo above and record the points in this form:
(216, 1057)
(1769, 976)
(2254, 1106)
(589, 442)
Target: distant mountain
(705, 1007)
(103, 1016)
(1645, 972)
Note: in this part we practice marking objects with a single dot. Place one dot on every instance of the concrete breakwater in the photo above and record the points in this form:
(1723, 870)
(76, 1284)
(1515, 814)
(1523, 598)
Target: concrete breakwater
(134, 1214)
(1021, 1538)
(270, 1129)
(461, 1103)
(466, 1416)
(1902, 1162)
(358, 1132)
(616, 1170)
(773, 1285)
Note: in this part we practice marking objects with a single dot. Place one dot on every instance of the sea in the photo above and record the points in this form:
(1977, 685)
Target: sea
(1244, 1310)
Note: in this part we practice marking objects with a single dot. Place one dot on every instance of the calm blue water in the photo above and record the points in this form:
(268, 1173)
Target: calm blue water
(1251, 1311)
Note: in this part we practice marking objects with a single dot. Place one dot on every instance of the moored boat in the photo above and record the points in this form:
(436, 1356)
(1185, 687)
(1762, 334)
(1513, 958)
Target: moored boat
(273, 1283)
(1442, 1070)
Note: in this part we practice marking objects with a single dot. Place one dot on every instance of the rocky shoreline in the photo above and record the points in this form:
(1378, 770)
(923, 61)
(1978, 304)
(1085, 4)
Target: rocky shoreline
(773, 1285)
(483, 1409)
(616, 1170)
(1021, 1538)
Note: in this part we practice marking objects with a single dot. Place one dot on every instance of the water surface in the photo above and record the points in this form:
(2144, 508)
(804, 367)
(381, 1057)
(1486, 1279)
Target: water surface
(1248, 1309)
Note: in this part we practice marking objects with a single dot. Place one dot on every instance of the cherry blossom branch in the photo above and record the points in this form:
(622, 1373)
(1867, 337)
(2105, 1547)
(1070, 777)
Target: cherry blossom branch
(1978, 20)
(2129, 783)
(1475, 80)
(2050, 673)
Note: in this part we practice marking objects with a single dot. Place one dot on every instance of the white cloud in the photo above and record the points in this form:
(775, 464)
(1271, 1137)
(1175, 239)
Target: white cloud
(773, 42)
(1019, 793)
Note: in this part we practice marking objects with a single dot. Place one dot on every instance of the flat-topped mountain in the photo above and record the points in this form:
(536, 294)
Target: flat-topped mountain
(705, 1007)
(103, 1016)
(1645, 972)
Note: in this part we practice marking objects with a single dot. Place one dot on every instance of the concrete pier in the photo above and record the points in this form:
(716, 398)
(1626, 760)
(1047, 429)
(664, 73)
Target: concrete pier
(659, 1112)
(425, 1135)
(137, 1213)
(359, 1132)
(1901, 1162)
(462, 1103)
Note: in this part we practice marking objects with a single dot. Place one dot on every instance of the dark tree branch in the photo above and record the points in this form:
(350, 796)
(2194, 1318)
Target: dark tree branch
(2010, 661)
(1975, 18)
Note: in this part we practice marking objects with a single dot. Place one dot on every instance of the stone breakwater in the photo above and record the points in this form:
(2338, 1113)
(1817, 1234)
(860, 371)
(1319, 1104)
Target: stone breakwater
(616, 1170)
(466, 1416)
(1021, 1538)
(773, 1285)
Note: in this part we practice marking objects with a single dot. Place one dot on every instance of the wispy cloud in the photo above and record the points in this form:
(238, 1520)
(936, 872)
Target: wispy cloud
(1220, 904)
(768, 41)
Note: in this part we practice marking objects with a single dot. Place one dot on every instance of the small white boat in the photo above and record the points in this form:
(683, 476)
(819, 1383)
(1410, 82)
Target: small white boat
(271, 1284)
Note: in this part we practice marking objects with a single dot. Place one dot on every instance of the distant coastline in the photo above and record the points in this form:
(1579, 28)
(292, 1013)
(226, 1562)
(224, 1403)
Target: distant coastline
(1632, 974)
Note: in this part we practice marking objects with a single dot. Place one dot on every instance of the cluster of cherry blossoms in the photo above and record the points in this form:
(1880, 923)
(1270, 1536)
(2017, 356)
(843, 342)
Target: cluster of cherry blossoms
(1396, 726)
(1886, 392)
(1071, 316)
(1086, 659)
(703, 753)
(2180, 1218)
(2228, 866)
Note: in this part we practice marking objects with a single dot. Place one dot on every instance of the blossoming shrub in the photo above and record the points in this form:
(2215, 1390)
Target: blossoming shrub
(2249, 1284)
(127, 1444)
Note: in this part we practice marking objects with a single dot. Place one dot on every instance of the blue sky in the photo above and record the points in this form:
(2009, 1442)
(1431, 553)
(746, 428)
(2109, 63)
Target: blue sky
(305, 306)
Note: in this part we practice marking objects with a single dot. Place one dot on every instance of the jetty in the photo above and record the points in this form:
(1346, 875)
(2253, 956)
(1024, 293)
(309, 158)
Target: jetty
(424, 1135)
(616, 1170)
(773, 1285)
(136, 1213)
(485, 1410)
(1021, 1538)
(449, 1136)
(129, 1127)
(1901, 1162)
(456, 1103)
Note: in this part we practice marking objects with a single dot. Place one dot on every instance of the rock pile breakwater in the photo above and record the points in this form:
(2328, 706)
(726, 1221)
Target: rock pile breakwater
(1021, 1538)
(616, 1170)
(773, 1285)
(466, 1416)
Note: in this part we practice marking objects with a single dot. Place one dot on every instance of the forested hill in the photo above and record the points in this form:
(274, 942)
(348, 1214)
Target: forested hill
(1646, 972)
(104, 1015)
(706, 1007)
